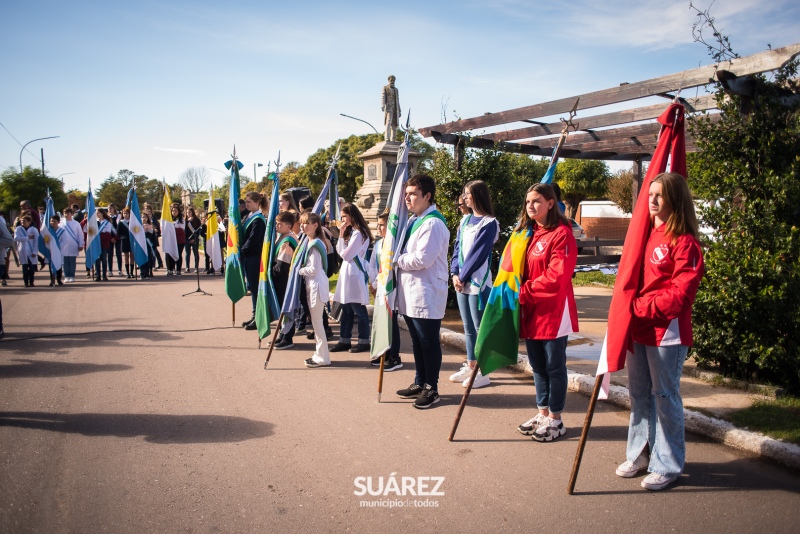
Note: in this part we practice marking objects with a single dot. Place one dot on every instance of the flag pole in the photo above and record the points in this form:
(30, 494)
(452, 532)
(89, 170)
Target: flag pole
(233, 314)
(598, 381)
(463, 402)
(274, 337)
(380, 377)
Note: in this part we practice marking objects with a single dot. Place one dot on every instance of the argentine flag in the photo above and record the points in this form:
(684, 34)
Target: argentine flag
(49, 245)
(92, 236)
(138, 241)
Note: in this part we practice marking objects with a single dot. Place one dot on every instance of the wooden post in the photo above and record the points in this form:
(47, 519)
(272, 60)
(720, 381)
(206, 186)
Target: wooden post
(272, 345)
(637, 180)
(233, 314)
(598, 382)
(463, 402)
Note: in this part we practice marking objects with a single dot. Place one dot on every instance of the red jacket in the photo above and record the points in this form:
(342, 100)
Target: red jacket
(548, 309)
(671, 274)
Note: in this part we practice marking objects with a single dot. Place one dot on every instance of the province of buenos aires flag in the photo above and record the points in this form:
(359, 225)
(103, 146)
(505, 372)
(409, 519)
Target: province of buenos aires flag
(92, 237)
(169, 241)
(266, 300)
(234, 275)
(213, 246)
(497, 344)
(386, 293)
(49, 245)
(137, 237)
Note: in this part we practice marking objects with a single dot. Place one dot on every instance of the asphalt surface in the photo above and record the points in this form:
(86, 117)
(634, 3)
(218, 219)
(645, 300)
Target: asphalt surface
(125, 407)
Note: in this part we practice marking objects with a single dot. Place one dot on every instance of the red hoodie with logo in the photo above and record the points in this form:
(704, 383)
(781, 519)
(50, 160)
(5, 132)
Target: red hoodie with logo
(671, 274)
(547, 302)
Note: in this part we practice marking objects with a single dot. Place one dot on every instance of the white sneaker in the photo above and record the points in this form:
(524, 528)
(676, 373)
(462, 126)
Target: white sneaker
(529, 427)
(655, 482)
(480, 381)
(630, 469)
(549, 430)
(462, 373)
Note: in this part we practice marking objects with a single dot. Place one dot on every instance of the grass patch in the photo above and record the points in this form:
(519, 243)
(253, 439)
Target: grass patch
(779, 418)
(592, 278)
(332, 282)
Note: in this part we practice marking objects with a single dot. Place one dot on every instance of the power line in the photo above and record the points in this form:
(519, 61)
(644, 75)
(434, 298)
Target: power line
(20, 144)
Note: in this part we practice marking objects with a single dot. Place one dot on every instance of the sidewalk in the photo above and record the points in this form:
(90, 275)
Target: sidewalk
(704, 403)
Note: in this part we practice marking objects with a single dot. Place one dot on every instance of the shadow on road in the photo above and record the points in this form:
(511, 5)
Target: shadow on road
(156, 428)
(44, 369)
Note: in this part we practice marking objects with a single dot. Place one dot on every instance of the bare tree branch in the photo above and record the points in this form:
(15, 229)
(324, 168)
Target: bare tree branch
(194, 179)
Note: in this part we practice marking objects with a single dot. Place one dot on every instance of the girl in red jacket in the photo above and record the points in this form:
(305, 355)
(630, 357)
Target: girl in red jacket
(548, 313)
(662, 334)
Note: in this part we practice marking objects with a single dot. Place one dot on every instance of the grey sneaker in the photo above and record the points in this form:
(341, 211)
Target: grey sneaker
(655, 482)
(549, 430)
(630, 469)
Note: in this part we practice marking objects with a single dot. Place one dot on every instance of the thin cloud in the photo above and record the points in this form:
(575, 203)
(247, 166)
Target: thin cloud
(178, 150)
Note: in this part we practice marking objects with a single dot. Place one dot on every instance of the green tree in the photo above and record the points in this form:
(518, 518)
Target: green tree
(76, 196)
(620, 189)
(113, 190)
(31, 185)
(580, 179)
(747, 311)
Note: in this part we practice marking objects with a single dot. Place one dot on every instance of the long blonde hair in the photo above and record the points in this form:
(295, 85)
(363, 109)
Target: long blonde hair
(675, 191)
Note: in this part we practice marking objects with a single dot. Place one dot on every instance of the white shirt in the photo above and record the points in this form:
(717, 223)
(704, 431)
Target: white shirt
(351, 287)
(422, 270)
(71, 245)
(316, 278)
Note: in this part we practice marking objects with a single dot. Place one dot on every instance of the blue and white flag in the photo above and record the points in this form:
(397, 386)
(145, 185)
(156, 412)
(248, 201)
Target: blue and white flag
(49, 246)
(137, 237)
(92, 235)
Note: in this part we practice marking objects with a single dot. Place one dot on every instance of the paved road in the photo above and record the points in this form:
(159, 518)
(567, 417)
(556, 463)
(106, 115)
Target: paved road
(164, 421)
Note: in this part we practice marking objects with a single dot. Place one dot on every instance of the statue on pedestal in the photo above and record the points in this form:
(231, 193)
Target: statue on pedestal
(390, 105)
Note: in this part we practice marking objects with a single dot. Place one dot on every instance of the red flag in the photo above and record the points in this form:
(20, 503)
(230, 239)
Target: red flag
(619, 343)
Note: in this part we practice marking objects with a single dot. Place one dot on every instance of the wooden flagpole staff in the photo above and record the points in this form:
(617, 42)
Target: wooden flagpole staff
(463, 402)
(576, 465)
(380, 376)
(272, 345)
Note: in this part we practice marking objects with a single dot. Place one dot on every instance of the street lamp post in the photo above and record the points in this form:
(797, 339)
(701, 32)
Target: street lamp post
(60, 175)
(29, 142)
(360, 120)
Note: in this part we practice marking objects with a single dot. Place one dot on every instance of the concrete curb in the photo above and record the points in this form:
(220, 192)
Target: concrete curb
(721, 431)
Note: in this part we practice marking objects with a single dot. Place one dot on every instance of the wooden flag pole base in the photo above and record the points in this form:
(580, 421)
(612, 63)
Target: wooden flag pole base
(598, 382)
(380, 377)
(463, 402)
(233, 314)
(272, 345)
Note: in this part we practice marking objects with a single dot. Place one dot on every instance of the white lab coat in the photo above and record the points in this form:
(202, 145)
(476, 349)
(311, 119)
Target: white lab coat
(422, 270)
(316, 278)
(27, 244)
(373, 268)
(351, 287)
(70, 246)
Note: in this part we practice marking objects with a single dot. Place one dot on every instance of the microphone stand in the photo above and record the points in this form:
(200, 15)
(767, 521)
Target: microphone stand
(195, 235)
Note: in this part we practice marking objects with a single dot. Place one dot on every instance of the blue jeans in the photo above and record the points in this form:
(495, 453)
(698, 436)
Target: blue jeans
(427, 349)
(471, 317)
(251, 265)
(349, 311)
(654, 382)
(69, 266)
(548, 359)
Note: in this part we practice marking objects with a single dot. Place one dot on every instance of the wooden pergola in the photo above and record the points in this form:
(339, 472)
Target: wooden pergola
(627, 135)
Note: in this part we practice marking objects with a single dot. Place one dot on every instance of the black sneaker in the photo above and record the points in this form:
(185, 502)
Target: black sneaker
(340, 347)
(283, 344)
(328, 334)
(361, 347)
(251, 320)
(427, 398)
(392, 363)
(411, 392)
(375, 362)
(251, 326)
(310, 335)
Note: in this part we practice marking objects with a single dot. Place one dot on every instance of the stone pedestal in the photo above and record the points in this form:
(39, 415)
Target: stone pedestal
(380, 163)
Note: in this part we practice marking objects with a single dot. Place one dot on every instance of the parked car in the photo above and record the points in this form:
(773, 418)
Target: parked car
(577, 231)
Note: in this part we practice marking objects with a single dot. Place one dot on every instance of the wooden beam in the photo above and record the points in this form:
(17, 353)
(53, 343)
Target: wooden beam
(761, 62)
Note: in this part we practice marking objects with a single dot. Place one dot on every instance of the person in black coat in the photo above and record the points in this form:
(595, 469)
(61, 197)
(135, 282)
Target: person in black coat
(255, 226)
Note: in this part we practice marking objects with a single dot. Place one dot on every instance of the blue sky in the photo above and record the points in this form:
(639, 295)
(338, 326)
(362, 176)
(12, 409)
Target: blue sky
(159, 86)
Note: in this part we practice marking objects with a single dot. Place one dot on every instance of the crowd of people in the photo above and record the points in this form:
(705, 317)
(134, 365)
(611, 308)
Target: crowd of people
(662, 330)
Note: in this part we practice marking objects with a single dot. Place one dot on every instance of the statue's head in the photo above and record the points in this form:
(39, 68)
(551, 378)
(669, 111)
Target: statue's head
(391, 79)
